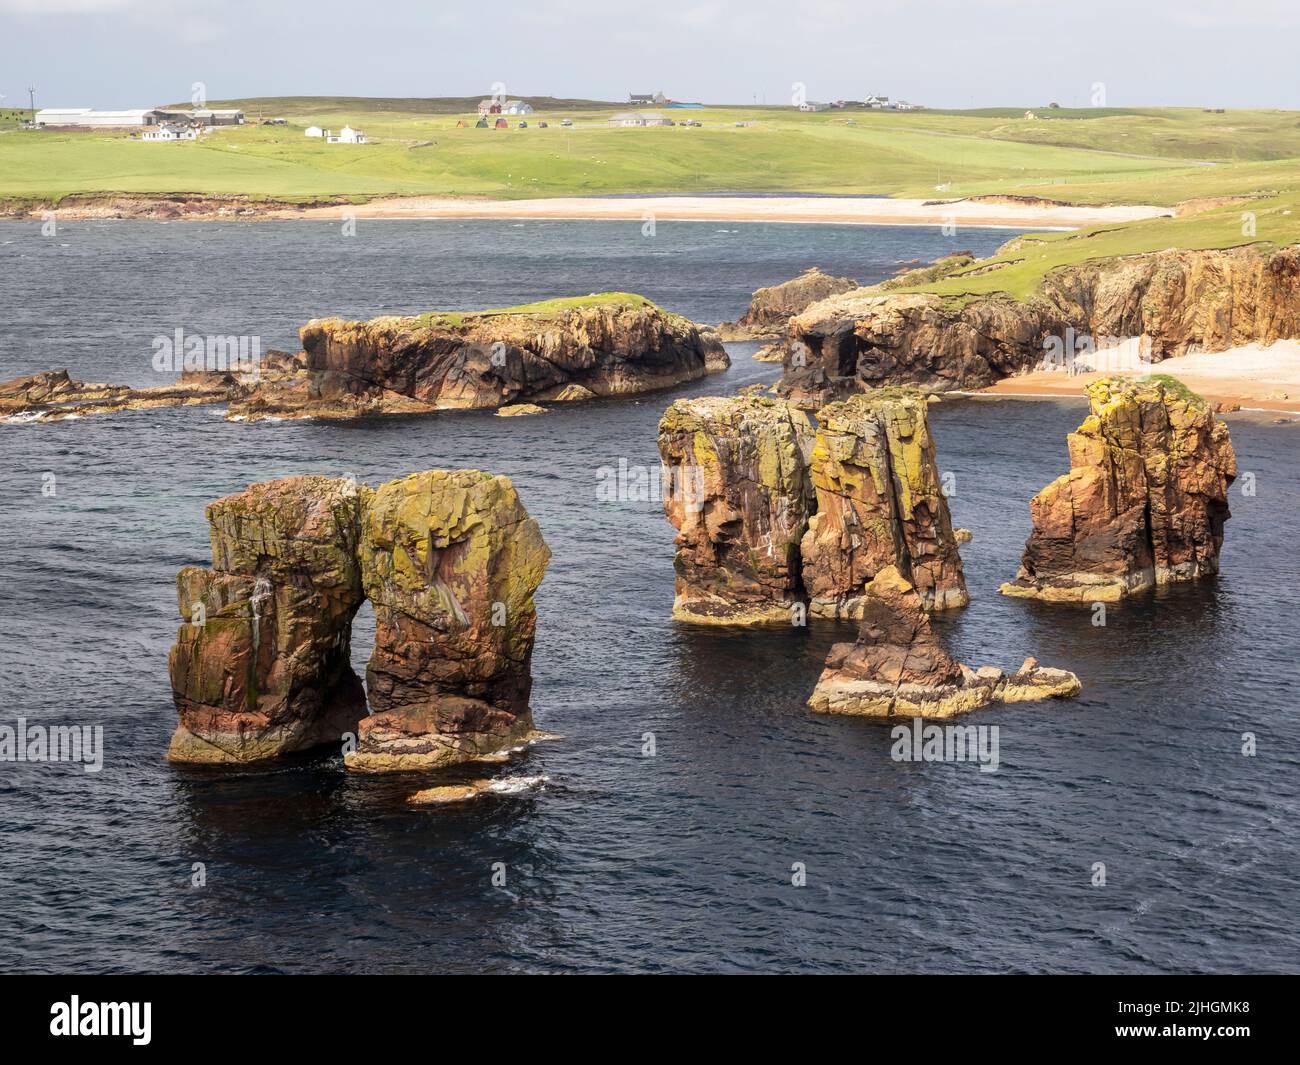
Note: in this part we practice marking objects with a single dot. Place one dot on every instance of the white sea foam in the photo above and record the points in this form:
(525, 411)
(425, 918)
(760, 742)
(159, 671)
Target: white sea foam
(516, 785)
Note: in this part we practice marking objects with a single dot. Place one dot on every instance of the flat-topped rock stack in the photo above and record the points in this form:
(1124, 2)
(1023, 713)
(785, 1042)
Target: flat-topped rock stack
(772, 515)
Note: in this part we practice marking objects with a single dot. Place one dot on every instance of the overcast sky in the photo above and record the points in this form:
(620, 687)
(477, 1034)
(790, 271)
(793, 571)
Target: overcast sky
(944, 53)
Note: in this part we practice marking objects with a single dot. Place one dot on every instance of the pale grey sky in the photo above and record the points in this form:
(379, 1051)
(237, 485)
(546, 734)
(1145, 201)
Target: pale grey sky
(944, 53)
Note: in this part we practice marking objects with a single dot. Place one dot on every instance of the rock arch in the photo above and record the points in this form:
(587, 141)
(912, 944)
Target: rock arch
(261, 667)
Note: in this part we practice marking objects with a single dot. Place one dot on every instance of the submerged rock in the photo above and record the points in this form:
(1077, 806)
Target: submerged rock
(1177, 301)
(53, 395)
(770, 309)
(898, 668)
(739, 494)
(519, 410)
(607, 344)
(1144, 502)
(261, 667)
(880, 503)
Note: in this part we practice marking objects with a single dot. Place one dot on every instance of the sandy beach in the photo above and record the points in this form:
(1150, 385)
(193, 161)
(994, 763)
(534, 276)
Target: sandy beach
(1250, 377)
(836, 209)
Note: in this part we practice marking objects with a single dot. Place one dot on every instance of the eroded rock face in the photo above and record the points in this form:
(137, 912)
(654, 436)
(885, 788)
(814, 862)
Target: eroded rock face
(1178, 300)
(609, 344)
(898, 668)
(740, 495)
(1144, 502)
(880, 503)
(770, 309)
(450, 562)
(261, 667)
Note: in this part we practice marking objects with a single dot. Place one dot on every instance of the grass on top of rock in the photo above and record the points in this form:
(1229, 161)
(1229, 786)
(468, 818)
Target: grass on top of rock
(540, 310)
(1019, 267)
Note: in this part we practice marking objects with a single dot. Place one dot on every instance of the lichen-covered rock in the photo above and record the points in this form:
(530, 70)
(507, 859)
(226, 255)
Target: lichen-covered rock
(880, 503)
(1177, 300)
(606, 344)
(740, 495)
(450, 561)
(772, 307)
(1144, 502)
(262, 667)
(898, 668)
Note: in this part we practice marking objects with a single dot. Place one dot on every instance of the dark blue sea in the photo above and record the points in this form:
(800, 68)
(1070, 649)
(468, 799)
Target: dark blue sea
(618, 862)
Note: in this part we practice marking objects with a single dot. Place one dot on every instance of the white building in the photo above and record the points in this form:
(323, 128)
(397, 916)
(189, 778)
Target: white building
(517, 107)
(315, 131)
(811, 106)
(628, 118)
(348, 135)
(55, 117)
(171, 131)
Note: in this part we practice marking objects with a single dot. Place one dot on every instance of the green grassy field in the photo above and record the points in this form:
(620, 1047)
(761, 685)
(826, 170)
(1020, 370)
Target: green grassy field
(1150, 155)
(1158, 156)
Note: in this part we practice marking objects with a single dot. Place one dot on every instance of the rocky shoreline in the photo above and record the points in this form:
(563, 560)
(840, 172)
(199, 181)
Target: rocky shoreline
(559, 351)
(1175, 301)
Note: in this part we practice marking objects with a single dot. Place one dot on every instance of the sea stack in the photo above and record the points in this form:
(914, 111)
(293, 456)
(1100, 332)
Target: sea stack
(880, 503)
(262, 665)
(1144, 502)
(739, 494)
(898, 668)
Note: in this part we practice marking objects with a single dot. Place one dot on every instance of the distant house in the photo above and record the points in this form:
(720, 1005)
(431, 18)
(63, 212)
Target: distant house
(315, 131)
(903, 105)
(348, 135)
(640, 99)
(73, 117)
(876, 102)
(204, 116)
(490, 106)
(171, 131)
(627, 118)
(517, 107)
(811, 106)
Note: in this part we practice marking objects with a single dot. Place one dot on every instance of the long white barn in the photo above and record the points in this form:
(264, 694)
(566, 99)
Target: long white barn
(86, 116)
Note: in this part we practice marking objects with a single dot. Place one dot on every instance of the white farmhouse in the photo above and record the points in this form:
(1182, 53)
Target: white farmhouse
(348, 135)
(170, 131)
(517, 107)
(315, 131)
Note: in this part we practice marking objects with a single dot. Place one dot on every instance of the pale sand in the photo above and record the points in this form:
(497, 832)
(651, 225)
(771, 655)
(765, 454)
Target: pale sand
(844, 210)
(1252, 377)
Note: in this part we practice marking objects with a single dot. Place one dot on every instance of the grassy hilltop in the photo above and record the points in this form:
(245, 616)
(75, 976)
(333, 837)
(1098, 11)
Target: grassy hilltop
(1149, 155)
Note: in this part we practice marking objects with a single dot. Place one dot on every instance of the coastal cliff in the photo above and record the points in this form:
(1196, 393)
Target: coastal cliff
(770, 309)
(262, 663)
(1144, 503)
(1177, 301)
